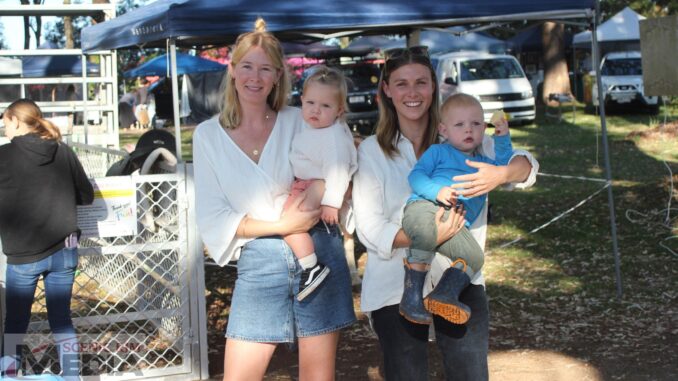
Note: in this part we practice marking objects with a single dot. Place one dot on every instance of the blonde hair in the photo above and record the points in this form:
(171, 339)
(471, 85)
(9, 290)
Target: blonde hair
(231, 111)
(28, 113)
(331, 77)
(459, 100)
(388, 127)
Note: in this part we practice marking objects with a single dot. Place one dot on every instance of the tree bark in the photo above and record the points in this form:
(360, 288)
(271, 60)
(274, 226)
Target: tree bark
(556, 76)
(27, 27)
(38, 25)
(68, 29)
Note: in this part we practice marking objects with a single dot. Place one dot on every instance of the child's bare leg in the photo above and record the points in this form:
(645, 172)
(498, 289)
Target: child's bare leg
(301, 244)
(313, 195)
(313, 272)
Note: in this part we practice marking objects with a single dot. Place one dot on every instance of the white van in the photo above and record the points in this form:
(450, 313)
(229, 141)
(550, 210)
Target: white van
(497, 80)
(622, 77)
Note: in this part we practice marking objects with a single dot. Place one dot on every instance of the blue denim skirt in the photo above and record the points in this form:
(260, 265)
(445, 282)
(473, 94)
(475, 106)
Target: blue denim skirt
(264, 307)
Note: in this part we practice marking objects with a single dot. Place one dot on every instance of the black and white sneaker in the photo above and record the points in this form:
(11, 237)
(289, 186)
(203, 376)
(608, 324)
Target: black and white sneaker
(311, 278)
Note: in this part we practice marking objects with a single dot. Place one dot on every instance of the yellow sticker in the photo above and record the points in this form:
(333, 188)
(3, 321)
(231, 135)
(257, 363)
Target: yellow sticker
(374, 79)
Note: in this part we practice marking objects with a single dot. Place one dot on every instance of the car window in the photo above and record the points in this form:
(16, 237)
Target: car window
(624, 66)
(495, 68)
(361, 76)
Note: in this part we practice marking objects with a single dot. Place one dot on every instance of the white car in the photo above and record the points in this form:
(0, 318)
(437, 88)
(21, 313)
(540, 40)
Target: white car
(621, 76)
(497, 80)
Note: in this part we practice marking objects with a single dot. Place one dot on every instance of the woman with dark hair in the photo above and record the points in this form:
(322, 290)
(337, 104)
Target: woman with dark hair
(41, 182)
(407, 126)
(242, 177)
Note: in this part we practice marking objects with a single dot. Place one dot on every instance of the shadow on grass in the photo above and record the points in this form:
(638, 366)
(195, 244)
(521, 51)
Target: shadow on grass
(555, 290)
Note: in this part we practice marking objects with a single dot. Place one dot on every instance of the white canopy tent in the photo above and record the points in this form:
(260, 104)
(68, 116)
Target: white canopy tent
(621, 27)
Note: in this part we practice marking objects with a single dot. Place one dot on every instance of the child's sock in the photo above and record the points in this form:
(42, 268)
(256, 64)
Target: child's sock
(308, 261)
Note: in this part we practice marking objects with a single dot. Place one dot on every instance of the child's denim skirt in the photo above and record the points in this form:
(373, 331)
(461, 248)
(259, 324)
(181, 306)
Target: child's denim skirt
(264, 307)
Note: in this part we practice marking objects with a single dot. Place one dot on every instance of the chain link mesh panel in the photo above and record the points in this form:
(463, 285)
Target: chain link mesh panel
(131, 294)
(96, 160)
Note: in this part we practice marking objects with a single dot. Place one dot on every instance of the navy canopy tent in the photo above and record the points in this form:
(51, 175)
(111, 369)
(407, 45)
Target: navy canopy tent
(457, 39)
(201, 22)
(530, 39)
(301, 49)
(377, 42)
(186, 64)
(50, 66)
(448, 40)
(204, 22)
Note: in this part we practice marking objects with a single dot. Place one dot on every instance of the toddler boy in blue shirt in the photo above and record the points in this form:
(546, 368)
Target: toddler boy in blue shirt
(463, 128)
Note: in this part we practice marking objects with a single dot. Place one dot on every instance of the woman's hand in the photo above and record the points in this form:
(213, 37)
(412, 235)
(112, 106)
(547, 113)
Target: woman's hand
(486, 179)
(293, 220)
(448, 228)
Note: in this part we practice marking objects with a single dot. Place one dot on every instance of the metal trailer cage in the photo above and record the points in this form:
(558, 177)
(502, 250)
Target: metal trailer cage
(138, 301)
(102, 106)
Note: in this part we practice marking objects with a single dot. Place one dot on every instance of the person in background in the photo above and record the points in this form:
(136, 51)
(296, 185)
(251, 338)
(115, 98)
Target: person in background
(407, 127)
(243, 176)
(41, 182)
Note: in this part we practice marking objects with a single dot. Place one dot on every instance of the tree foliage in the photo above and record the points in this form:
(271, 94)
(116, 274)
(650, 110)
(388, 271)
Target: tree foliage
(55, 31)
(647, 8)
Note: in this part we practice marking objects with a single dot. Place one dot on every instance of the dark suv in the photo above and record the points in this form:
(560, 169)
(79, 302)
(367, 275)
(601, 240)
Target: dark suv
(362, 80)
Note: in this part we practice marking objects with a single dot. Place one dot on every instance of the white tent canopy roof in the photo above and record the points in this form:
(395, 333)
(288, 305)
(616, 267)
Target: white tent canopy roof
(10, 66)
(621, 27)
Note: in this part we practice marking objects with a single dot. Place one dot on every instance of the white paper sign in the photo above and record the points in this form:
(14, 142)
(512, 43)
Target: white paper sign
(114, 210)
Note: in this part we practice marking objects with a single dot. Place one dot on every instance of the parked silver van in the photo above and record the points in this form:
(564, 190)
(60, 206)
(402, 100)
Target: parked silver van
(497, 80)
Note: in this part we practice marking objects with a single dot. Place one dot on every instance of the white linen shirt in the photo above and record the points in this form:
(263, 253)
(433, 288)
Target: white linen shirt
(328, 154)
(380, 190)
(229, 185)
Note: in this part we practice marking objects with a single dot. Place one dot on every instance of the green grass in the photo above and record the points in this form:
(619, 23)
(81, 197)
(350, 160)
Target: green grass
(563, 276)
(130, 137)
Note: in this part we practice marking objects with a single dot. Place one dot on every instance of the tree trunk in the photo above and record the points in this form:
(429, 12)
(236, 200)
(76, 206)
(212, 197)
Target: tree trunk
(27, 27)
(38, 25)
(556, 77)
(68, 29)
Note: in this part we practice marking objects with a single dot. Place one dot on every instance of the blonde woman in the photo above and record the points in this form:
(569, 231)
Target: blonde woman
(243, 176)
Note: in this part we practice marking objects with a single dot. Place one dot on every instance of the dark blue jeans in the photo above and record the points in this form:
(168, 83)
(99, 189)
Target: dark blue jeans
(464, 348)
(58, 272)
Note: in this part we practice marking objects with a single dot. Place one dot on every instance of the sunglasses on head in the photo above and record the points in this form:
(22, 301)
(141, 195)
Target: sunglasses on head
(412, 51)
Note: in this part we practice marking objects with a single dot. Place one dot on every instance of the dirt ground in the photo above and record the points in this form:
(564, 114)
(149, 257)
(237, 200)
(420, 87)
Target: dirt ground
(513, 354)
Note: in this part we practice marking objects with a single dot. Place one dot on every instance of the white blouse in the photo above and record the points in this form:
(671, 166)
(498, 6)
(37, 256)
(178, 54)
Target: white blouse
(380, 190)
(229, 185)
(328, 154)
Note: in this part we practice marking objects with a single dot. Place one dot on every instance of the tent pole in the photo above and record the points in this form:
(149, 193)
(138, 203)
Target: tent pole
(175, 96)
(414, 38)
(83, 60)
(608, 172)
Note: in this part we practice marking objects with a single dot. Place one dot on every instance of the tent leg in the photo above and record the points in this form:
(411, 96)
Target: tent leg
(606, 151)
(175, 97)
